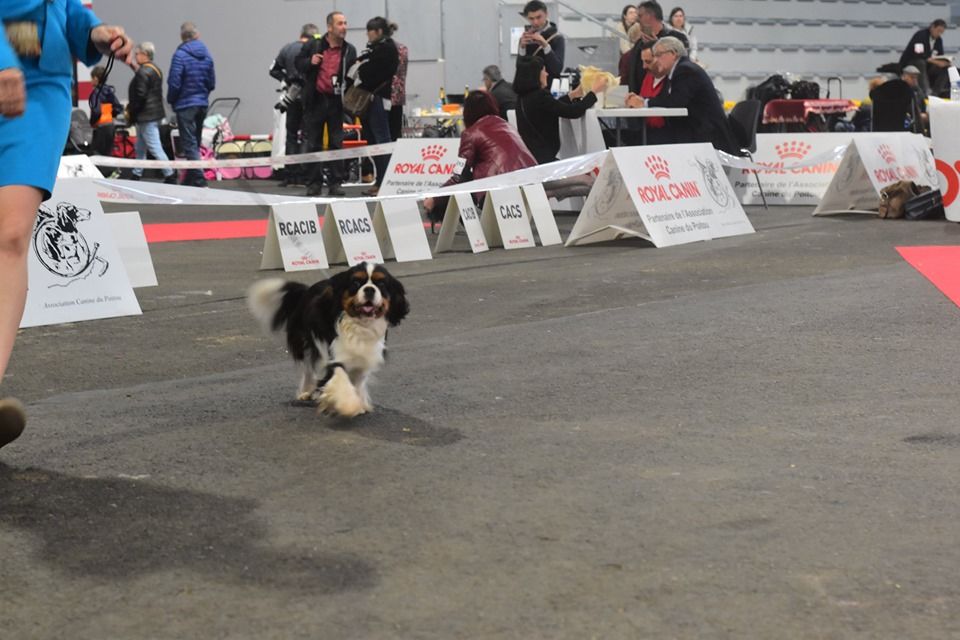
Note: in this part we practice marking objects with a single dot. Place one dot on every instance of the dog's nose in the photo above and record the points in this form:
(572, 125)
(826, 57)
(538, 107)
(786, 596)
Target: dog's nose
(369, 292)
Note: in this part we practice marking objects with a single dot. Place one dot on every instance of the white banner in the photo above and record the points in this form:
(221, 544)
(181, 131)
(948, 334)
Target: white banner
(293, 240)
(461, 208)
(419, 165)
(945, 131)
(399, 228)
(669, 195)
(79, 166)
(348, 234)
(504, 220)
(539, 207)
(875, 161)
(132, 245)
(793, 169)
(74, 269)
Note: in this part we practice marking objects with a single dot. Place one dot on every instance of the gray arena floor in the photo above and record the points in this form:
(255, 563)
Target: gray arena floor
(754, 437)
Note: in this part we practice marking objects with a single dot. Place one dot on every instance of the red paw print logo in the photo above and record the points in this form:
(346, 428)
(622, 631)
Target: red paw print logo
(659, 167)
(887, 154)
(433, 152)
(793, 149)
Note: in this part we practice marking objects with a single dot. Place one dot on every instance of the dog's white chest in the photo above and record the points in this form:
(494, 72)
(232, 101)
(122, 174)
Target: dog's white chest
(359, 345)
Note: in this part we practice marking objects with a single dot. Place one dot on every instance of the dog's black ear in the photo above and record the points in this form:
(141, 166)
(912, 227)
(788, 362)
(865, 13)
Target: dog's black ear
(399, 307)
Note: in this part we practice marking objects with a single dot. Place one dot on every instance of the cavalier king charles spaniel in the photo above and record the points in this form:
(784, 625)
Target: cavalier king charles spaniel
(336, 331)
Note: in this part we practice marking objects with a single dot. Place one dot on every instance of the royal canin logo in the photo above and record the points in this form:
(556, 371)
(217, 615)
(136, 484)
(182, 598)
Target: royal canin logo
(433, 152)
(887, 154)
(792, 149)
(658, 167)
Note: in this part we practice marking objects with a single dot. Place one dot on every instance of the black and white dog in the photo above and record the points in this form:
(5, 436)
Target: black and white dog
(336, 331)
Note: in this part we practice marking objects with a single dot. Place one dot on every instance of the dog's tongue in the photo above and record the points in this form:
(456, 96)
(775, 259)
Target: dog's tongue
(367, 309)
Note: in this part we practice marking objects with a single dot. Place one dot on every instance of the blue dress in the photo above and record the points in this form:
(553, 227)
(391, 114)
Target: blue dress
(31, 145)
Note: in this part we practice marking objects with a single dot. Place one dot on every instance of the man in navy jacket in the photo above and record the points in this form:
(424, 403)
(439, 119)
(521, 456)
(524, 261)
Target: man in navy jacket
(689, 86)
(921, 52)
(189, 83)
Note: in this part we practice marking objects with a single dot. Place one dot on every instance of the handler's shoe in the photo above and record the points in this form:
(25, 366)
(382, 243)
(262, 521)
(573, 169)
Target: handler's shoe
(12, 420)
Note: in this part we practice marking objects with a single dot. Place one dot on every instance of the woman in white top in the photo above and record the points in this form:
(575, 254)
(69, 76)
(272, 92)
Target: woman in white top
(627, 18)
(678, 20)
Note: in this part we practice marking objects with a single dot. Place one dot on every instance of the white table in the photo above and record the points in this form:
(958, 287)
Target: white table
(643, 113)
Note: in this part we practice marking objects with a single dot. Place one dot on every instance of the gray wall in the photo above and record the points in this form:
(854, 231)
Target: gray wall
(245, 36)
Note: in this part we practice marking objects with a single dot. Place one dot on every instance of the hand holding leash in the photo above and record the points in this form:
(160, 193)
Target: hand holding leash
(13, 95)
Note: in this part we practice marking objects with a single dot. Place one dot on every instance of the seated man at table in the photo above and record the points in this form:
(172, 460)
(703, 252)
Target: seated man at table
(653, 84)
(688, 86)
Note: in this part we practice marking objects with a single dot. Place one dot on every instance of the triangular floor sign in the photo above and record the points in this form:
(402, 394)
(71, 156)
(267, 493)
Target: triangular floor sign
(294, 241)
(399, 228)
(461, 208)
(504, 220)
(348, 233)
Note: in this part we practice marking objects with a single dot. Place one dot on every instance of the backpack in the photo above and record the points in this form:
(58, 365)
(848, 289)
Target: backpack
(804, 90)
(773, 88)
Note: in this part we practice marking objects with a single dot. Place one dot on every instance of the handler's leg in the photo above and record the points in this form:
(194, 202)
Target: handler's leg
(18, 210)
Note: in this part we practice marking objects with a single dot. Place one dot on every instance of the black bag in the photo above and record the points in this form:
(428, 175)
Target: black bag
(356, 101)
(925, 206)
(773, 88)
(804, 90)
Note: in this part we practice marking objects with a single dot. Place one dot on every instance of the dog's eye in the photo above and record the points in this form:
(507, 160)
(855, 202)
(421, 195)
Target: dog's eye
(354, 286)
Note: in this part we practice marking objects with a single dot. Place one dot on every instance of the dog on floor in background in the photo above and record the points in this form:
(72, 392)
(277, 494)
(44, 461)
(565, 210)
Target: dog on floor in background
(336, 331)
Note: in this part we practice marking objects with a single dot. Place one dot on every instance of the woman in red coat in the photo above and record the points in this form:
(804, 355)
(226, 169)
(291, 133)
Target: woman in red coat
(489, 146)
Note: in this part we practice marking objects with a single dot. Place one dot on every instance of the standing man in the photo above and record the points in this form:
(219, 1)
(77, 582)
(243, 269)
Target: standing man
(688, 85)
(285, 70)
(542, 39)
(145, 109)
(652, 28)
(324, 62)
(191, 80)
(500, 89)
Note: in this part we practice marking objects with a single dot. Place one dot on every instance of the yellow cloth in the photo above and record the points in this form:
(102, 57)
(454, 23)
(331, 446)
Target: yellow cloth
(588, 76)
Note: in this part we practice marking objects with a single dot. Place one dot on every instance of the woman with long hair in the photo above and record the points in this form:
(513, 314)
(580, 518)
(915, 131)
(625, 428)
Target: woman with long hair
(628, 17)
(678, 20)
(41, 40)
(539, 113)
(378, 66)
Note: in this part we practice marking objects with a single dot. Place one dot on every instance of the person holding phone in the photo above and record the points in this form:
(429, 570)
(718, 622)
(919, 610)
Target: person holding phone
(541, 39)
(41, 40)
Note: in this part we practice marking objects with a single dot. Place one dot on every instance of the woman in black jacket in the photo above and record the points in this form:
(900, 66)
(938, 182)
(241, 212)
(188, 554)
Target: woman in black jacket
(539, 113)
(378, 66)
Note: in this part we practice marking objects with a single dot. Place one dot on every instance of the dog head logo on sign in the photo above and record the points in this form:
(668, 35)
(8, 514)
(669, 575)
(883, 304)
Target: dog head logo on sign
(716, 182)
(61, 248)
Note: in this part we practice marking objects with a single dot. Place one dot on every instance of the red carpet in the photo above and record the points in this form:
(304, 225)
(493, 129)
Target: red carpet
(223, 230)
(939, 265)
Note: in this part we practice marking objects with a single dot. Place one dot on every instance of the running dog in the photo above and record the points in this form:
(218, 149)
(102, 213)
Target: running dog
(336, 331)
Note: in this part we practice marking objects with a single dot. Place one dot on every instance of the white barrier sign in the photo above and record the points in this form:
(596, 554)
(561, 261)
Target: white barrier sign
(293, 241)
(420, 164)
(132, 245)
(74, 269)
(461, 208)
(872, 162)
(399, 227)
(945, 131)
(784, 184)
(539, 207)
(668, 195)
(348, 234)
(80, 166)
(504, 220)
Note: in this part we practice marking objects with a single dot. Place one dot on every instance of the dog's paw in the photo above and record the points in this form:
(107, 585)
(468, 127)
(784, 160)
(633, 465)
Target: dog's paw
(339, 397)
(306, 396)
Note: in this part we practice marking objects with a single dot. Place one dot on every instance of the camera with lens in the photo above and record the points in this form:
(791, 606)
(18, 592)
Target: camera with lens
(289, 93)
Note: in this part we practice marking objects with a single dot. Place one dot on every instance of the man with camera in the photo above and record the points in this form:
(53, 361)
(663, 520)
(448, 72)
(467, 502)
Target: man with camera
(324, 62)
(285, 70)
(542, 39)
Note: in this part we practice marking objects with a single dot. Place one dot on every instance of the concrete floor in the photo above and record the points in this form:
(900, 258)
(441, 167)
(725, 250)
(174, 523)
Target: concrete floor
(753, 437)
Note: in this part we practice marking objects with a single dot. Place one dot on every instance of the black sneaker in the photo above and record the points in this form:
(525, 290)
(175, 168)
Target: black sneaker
(170, 179)
(134, 177)
(314, 191)
(335, 191)
(13, 419)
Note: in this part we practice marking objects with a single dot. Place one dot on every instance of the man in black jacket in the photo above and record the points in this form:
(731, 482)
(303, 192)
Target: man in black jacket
(285, 70)
(689, 86)
(541, 39)
(921, 51)
(500, 89)
(324, 62)
(652, 28)
(145, 108)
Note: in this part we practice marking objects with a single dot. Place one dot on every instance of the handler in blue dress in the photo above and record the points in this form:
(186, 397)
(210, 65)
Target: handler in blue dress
(40, 40)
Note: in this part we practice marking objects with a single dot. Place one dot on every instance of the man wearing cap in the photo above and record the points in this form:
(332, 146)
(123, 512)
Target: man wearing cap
(911, 75)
